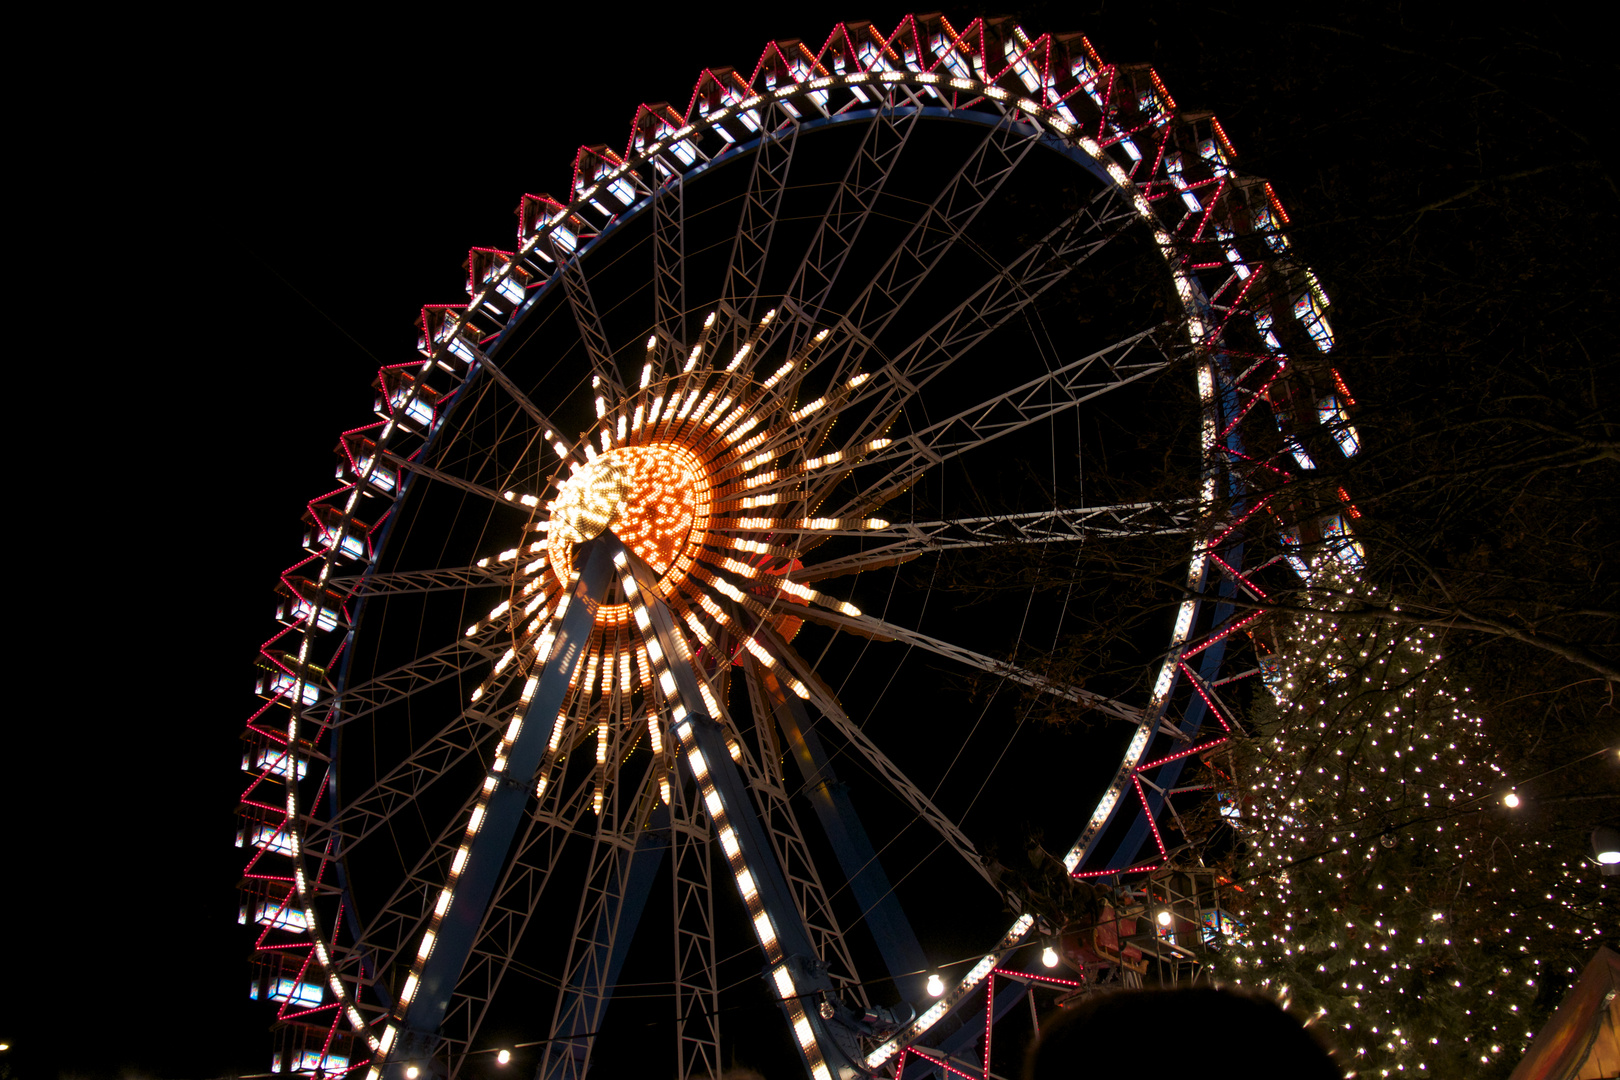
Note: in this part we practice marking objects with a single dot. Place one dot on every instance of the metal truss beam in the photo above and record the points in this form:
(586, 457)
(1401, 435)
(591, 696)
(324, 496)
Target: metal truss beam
(697, 976)
(402, 582)
(363, 815)
(1036, 269)
(797, 973)
(1038, 527)
(852, 204)
(505, 804)
(756, 224)
(512, 909)
(1058, 391)
(827, 704)
(522, 401)
(1005, 295)
(938, 229)
(669, 259)
(867, 626)
(629, 845)
(863, 871)
(422, 469)
(391, 687)
(589, 323)
(396, 923)
(787, 839)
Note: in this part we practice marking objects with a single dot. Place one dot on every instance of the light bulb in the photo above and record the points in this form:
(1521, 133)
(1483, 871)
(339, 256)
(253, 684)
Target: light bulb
(412, 1073)
(503, 1057)
(936, 985)
(1164, 918)
(1049, 956)
(1511, 799)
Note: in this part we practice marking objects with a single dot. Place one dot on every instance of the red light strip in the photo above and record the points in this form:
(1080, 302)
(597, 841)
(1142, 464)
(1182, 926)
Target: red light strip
(1220, 331)
(1105, 72)
(1253, 401)
(326, 1046)
(1224, 633)
(947, 1066)
(989, 1018)
(1197, 684)
(1143, 868)
(1037, 978)
(1236, 576)
(1200, 748)
(1221, 539)
(310, 1012)
(1148, 812)
(1198, 234)
(1158, 159)
(1267, 465)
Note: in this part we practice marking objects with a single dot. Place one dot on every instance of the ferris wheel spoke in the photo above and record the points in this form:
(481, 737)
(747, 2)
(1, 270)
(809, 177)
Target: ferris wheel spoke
(771, 797)
(878, 630)
(614, 887)
(1091, 376)
(588, 321)
(939, 228)
(392, 926)
(361, 816)
(886, 137)
(762, 206)
(1037, 527)
(826, 702)
(403, 582)
(424, 469)
(669, 259)
(381, 691)
(553, 432)
(1012, 289)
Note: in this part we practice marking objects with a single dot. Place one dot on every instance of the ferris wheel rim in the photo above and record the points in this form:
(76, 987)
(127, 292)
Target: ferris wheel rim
(579, 256)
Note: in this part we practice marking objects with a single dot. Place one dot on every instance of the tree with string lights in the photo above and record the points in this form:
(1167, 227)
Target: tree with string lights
(1385, 890)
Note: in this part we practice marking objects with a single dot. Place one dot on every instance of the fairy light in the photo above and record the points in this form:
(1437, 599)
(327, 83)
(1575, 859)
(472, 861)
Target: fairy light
(1333, 807)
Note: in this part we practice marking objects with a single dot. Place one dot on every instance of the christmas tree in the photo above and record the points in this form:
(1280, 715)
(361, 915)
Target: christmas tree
(1387, 889)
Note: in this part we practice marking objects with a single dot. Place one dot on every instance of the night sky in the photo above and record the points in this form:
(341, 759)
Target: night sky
(300, 190)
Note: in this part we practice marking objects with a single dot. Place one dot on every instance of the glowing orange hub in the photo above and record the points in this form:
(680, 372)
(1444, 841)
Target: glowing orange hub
(655, 498)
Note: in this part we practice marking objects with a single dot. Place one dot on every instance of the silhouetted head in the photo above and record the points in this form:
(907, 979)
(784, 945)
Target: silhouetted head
(1203, 1032)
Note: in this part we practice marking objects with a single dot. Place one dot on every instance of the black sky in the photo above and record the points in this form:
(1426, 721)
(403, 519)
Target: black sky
(272, 201)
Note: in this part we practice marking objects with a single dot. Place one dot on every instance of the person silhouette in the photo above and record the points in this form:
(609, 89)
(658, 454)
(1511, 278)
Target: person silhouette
(1212, 1034)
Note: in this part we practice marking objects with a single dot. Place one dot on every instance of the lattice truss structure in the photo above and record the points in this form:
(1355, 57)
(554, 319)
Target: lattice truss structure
(745, 458)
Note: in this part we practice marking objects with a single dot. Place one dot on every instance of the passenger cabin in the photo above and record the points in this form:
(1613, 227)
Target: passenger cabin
(495, 281)
(284, 677)
(305, 601)
(358, 459)
(444, 325)
(405, 399)
(331, 530)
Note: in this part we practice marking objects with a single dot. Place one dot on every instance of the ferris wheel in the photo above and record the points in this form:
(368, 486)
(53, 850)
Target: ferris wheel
(620, 670)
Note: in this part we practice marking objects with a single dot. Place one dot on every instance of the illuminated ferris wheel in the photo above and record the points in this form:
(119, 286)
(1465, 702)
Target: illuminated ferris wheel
(630, 601)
